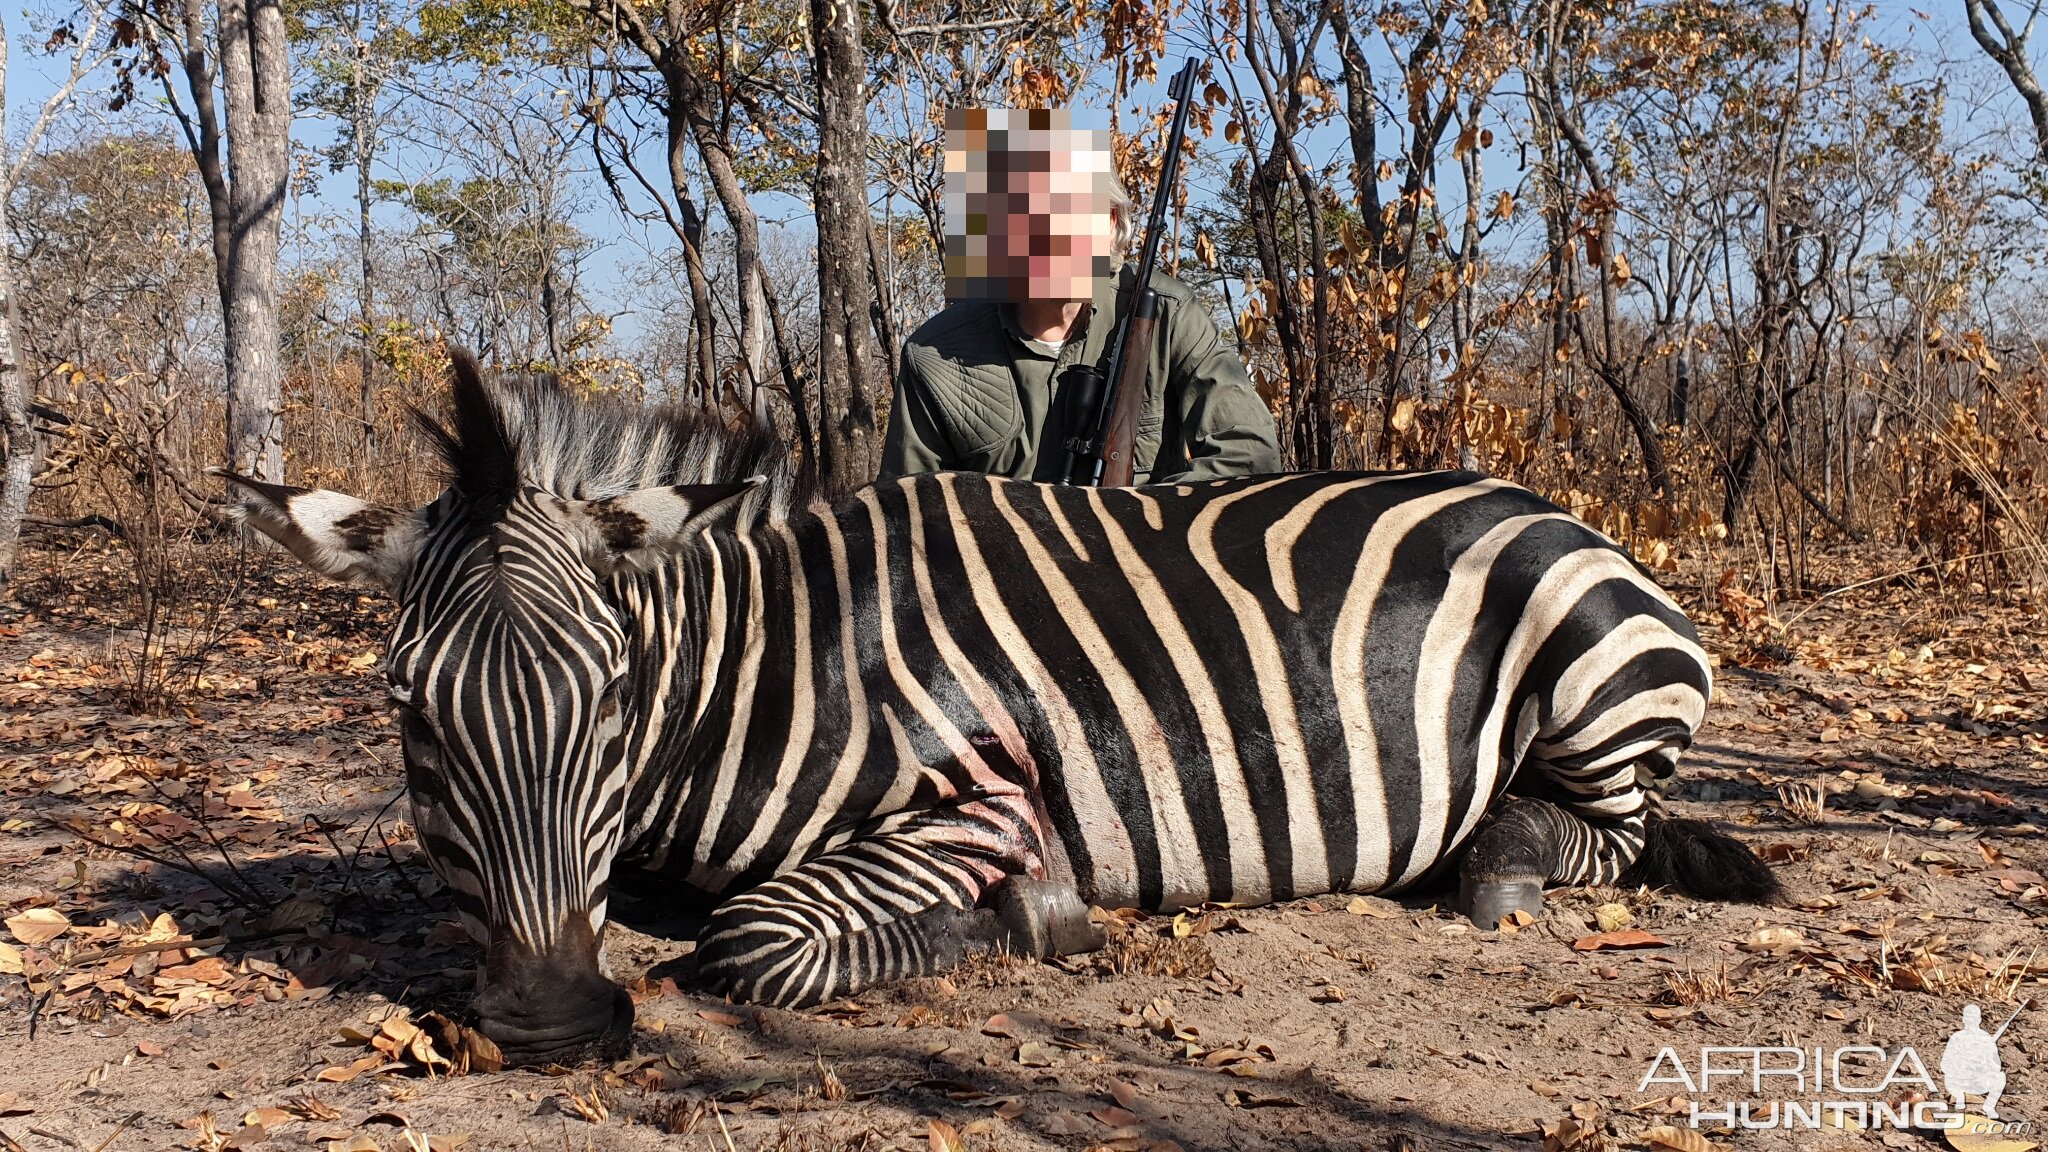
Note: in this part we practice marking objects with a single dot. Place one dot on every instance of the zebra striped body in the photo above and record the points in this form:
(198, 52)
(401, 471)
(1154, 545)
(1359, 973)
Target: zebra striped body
(847, 728)
(1245, 690)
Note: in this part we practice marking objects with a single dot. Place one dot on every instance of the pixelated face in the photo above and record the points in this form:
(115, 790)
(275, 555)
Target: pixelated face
(1028, 212)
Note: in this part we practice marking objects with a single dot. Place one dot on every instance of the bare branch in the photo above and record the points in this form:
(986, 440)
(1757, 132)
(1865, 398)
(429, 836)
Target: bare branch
(2008, 49)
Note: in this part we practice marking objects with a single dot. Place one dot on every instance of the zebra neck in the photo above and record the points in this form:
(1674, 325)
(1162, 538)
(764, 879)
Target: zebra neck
(705, 654)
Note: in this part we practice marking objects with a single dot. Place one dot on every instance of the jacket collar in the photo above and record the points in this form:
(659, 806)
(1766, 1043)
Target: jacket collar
(1103, 296)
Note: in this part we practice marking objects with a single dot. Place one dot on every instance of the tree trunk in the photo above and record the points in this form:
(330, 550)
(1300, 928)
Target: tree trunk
(703, 319)
(15, 426)
(847, 445)
(695, 95)
(257, 82)
(884, 311)
(365, 142)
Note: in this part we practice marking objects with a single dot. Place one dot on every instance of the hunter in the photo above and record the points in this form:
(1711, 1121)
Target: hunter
(1037, 226)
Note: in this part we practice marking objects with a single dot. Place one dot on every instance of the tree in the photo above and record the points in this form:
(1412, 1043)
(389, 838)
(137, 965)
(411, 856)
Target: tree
(360, 45)
(2007, 47)
(848, 448)
(243, 57)
(20, 447)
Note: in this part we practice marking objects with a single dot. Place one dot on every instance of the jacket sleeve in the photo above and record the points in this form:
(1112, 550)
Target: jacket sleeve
(915, 442)
(1225, 428)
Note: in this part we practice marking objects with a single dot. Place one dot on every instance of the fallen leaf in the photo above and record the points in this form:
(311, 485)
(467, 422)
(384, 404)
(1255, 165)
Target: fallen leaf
(1773, 941)
(342, 1075)
(1628, 938)
(38, 925)
(1613, 917)
(10, 959)
(729, 1019)
(943, 1137)
(999, 1024)
(1032, 1054)
(1115, 1117)
(1360, 906)
(1682, 1139)
(267, 1117)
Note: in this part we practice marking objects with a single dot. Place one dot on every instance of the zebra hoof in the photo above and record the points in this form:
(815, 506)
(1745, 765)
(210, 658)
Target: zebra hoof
(1042, 918)
(1488, 902)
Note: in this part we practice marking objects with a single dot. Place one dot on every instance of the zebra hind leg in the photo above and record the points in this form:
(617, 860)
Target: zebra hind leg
(1508, 862)
(1529, 843)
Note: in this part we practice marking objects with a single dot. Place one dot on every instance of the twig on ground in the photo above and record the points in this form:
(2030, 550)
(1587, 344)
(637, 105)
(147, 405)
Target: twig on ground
(103, 1145)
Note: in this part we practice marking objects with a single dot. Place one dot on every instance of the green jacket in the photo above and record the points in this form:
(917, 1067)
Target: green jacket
(976, 394)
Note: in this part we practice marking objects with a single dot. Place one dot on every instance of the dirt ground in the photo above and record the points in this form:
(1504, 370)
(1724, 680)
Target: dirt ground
(174, 1012)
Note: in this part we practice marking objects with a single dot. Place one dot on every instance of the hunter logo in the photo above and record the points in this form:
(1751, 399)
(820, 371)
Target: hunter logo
(1970, 1065)
(1858, 1085)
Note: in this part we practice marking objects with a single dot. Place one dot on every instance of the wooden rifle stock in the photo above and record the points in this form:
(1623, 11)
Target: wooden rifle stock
(1104, 450)
(1120, 446)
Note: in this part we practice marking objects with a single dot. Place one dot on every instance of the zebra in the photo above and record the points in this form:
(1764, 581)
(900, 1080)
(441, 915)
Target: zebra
(948, 713)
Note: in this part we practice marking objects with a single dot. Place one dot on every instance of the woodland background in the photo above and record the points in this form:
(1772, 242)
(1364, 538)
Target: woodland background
(1736, 281)
(1752, 285)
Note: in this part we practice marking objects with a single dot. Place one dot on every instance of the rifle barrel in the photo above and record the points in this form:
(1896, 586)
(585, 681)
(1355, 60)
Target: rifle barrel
(1112, 437)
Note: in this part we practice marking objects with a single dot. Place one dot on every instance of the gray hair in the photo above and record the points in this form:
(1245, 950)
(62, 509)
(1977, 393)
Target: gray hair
(1124, 212)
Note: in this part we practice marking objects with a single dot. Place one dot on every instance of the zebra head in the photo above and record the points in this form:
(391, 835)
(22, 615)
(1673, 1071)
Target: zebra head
(510, 674)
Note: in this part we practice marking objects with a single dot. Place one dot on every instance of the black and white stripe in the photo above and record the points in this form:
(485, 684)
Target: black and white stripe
(845, 726)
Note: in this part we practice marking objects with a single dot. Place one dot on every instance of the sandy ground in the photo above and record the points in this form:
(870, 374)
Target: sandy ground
(1326, 1023)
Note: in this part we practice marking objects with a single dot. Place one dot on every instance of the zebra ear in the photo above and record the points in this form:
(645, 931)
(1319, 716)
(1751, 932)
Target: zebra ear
(335, 534)
(639, 529)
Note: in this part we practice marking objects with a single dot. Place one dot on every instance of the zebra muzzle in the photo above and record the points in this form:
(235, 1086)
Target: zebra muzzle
(552, 1007)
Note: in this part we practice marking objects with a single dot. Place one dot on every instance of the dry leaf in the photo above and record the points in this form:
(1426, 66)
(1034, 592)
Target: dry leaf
(342, 1075)
(10, 959)
(1613, 917)
(943, 1137)
(729, 1019)
(1682, 1139)
(1360, 906)
(38, 925)
(999, 1024)
(1628, 938)
(1032, 1054)
(1773, 941)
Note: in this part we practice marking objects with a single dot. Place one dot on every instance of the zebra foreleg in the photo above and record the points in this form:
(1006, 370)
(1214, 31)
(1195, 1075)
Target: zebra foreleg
(874, 912)
(1530, 843)
(1043, 918)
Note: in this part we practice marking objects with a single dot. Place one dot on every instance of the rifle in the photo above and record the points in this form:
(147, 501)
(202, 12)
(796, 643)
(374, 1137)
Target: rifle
(1109, 404)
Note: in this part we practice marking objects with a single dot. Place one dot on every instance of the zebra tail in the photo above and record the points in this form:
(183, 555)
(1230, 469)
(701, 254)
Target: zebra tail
(1699, 860)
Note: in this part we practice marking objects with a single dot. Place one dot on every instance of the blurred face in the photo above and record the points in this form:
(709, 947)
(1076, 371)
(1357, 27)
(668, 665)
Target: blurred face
(1028, 212)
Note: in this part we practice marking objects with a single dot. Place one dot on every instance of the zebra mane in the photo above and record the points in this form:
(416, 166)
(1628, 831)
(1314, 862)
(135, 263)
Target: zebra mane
(518, 431)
